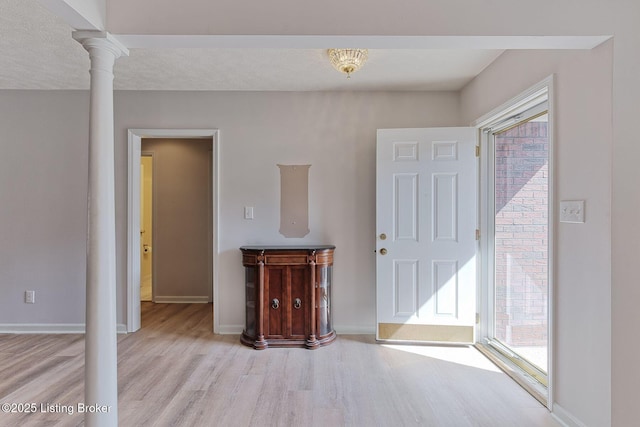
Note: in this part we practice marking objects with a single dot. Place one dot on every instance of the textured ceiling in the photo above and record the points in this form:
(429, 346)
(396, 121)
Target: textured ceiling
(37, 52)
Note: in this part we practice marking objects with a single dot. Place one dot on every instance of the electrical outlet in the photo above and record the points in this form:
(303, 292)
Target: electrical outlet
(30, 297)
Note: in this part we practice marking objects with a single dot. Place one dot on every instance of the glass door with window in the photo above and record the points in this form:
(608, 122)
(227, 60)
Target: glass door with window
(519, 236)
(521, 240)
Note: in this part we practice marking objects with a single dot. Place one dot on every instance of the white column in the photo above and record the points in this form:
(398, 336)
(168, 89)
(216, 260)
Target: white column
(101, 357)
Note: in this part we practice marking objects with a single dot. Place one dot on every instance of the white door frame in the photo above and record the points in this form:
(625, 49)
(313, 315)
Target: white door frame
(133, 215)
(485, 292)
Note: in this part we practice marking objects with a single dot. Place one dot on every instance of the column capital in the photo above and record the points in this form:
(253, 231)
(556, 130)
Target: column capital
(90, 39)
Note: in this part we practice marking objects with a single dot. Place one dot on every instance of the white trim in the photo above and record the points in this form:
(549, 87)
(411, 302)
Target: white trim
(518, 104)
(50, 328)
(230, 329)
(133, 214)
(368, 41)
(181, 299)
(133, 231)
(565, 417)
(80, 20)
(522, 102)
(115, 45)
(355, 330)
(483, 293)
(536, 105)
(549, 81)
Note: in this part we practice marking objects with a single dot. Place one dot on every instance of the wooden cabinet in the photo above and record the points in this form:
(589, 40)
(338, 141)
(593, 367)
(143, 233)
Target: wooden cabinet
(288, 296)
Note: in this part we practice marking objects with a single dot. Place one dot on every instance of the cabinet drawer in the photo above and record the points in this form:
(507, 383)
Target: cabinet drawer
(285, 259)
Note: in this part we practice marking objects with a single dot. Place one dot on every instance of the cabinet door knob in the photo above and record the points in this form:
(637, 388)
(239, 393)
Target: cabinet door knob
(297, 303)
(275, 303)
(383, 251)
(383, 236)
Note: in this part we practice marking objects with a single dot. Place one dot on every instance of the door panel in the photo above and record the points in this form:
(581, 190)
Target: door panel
(298, 277)
(406, 207)
(274, 316)
(444, 200)
(426, 221)
(405, 287)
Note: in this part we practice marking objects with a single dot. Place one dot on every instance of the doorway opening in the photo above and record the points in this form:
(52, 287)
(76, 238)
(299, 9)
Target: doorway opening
(206, 228)
(517, 215)
(181, 206)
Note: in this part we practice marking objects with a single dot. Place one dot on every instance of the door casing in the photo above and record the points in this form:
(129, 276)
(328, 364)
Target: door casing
(133, 215)
(485, 292)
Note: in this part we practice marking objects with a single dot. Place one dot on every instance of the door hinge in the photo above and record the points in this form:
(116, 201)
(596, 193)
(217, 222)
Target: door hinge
(477, 151)
(477, 234)
(477, 318)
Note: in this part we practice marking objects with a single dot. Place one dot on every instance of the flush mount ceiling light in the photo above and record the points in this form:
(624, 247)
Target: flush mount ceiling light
(348, 60)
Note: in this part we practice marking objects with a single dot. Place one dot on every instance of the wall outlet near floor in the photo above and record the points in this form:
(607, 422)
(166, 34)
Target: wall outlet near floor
(30, 297)
(572, 211)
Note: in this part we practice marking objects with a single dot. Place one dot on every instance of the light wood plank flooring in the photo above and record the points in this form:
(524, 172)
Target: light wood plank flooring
(175, 372)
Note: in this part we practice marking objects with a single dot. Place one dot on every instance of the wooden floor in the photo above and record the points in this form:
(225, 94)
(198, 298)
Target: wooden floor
(175, 372)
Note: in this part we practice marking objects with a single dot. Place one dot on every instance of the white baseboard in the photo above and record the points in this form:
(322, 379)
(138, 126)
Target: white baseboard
(355, 330)
(230, 329)
(565, 418)
(181, 299)
(50, 328)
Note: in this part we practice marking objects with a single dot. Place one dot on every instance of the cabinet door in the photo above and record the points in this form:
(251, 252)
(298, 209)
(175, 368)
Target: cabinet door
(274, 304)
(323, 301)
(299, 300)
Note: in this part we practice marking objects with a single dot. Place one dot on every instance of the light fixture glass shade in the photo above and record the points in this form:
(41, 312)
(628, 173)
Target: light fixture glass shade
(348, 60)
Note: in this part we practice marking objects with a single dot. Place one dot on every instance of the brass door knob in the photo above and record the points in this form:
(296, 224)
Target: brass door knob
(383, 251)
(383, 236)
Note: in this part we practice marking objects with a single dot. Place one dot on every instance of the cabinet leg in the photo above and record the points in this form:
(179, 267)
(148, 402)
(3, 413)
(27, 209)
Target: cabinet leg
(312, 343)
(260, 343)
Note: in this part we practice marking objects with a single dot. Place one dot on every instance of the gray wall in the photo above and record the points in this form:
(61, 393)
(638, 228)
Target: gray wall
(44, 154)
(583, 139)
(334, 132)
(43, 205)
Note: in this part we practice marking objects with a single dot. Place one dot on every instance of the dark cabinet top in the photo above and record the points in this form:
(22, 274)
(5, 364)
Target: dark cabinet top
(287, 248)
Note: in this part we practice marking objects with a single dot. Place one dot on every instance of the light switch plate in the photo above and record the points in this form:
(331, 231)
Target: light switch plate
(30, 297)
(572, 211)
(248, 212)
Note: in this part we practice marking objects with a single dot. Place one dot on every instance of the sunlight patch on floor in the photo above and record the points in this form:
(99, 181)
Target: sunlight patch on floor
(467, 356)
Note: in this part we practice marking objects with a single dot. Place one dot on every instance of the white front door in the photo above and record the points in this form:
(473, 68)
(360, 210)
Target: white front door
(426, 234)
